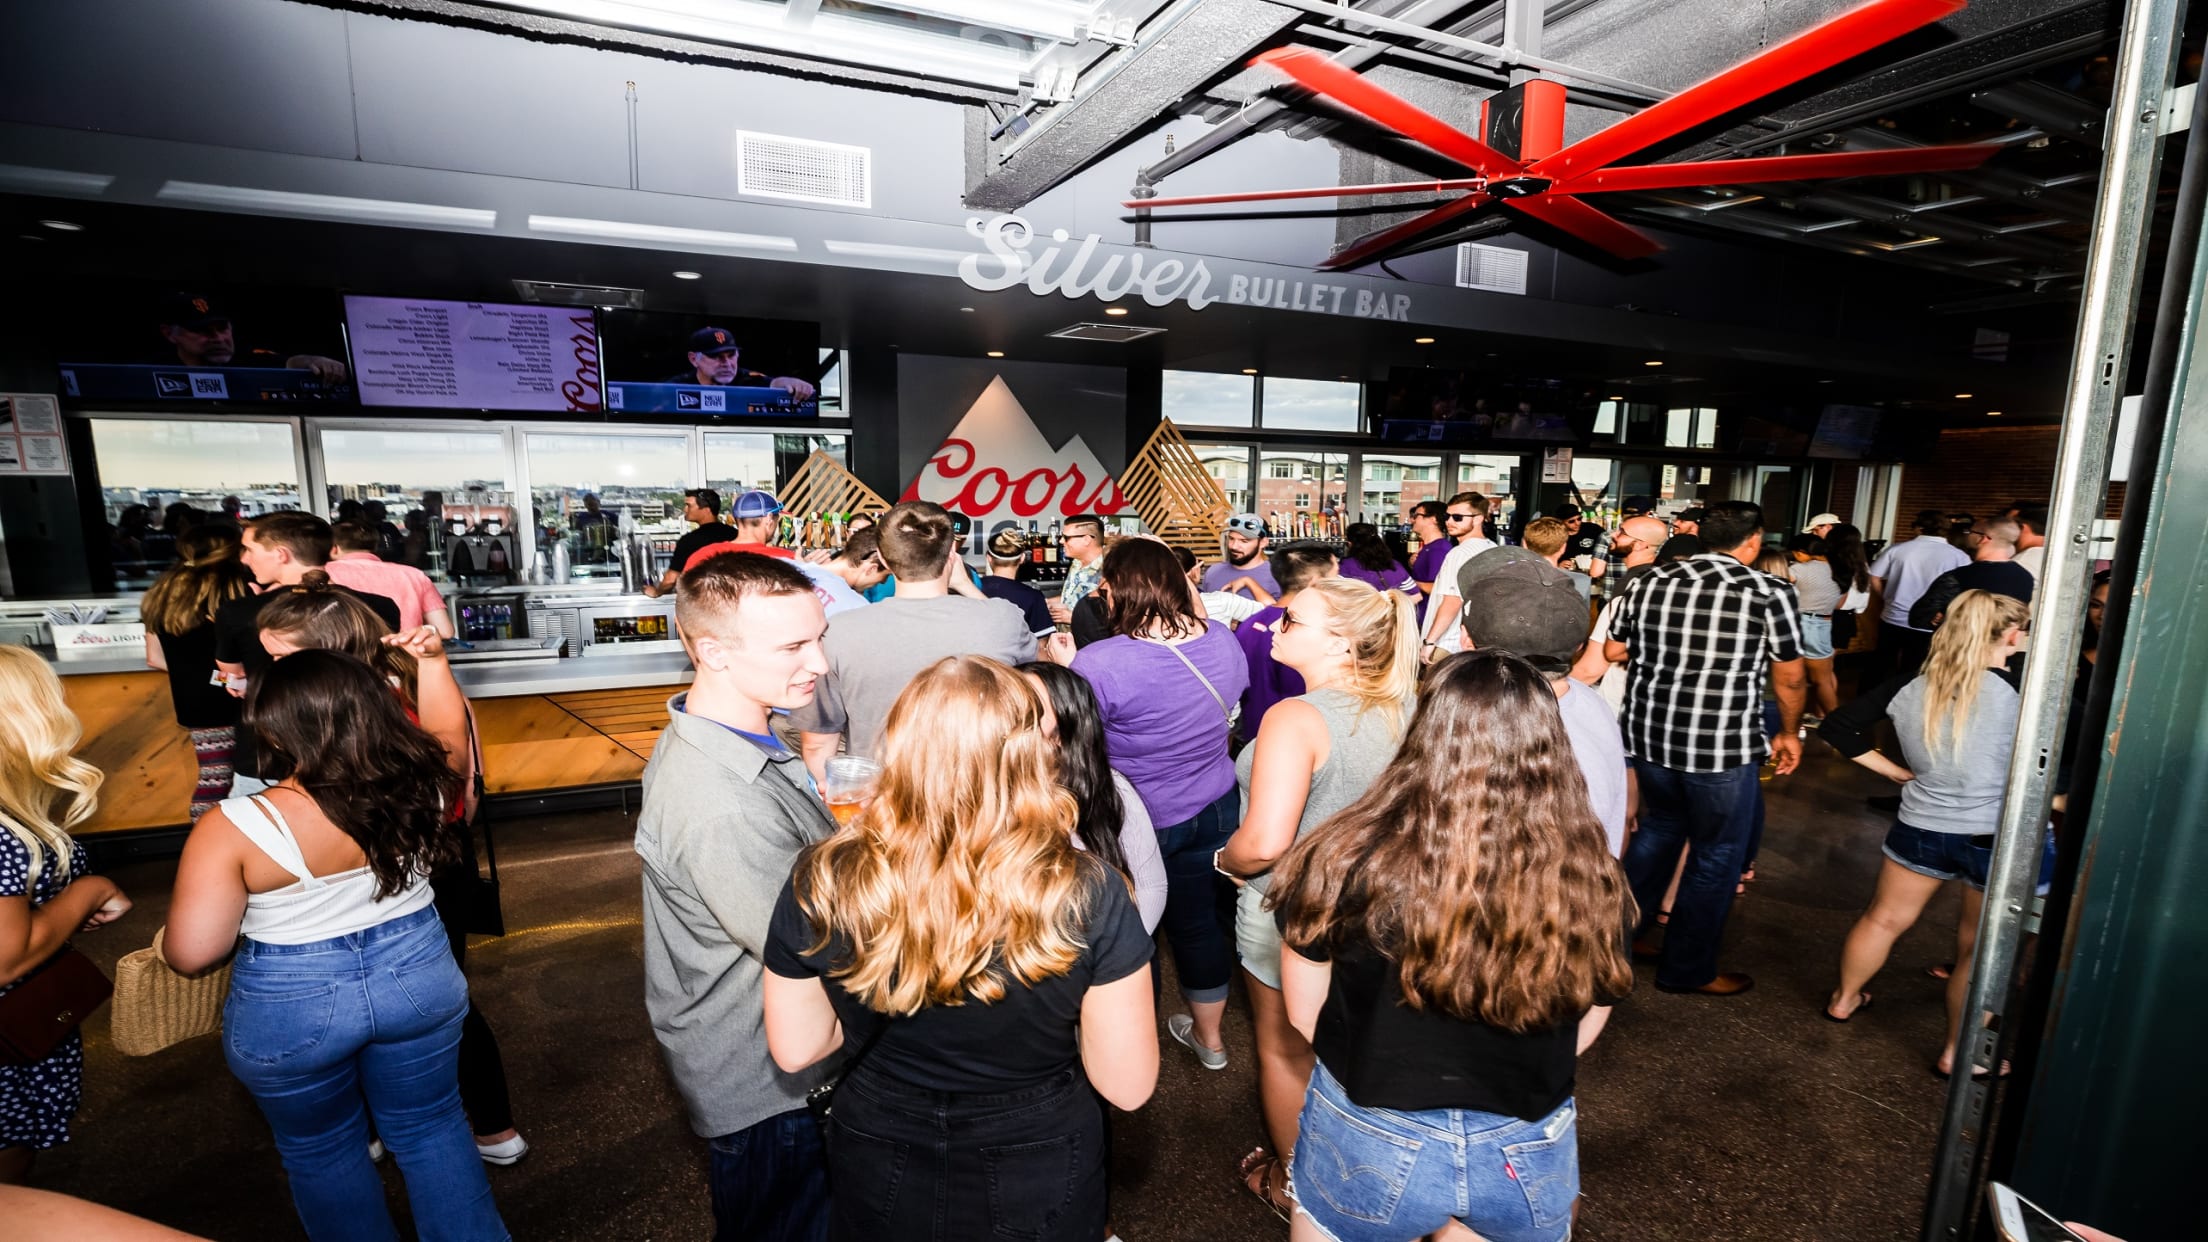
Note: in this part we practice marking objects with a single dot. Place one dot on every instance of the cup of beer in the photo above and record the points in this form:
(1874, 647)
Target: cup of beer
(849, 786)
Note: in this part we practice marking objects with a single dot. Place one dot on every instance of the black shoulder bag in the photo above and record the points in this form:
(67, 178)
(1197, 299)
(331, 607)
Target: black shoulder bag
(467, 900)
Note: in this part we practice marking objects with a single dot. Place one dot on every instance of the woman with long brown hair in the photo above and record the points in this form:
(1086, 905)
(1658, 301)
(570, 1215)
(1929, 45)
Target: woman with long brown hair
(987, 979)
(1356, 649)
(179, 615)
(1454, 939)
(1956, 723)
(47, 891)
(1166, 683)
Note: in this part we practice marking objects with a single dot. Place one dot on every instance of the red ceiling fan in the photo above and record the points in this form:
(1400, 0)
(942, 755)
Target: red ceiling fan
(1546, 177)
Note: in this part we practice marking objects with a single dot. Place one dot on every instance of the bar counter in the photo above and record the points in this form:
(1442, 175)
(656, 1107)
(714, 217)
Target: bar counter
(549, 727)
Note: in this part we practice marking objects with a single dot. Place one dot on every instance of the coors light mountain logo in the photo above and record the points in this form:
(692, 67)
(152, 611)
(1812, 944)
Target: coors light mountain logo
(997, 468)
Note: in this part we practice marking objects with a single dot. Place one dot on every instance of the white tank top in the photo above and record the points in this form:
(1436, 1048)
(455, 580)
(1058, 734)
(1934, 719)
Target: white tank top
(317, 907)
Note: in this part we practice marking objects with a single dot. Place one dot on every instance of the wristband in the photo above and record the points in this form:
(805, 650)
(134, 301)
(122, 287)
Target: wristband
(1221, 870)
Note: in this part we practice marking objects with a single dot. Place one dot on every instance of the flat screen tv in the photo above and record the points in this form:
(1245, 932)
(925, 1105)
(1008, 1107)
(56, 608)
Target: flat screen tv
(1848, 432)
(711, 366)
(195, 345)
(1469, 408)
(423, 353)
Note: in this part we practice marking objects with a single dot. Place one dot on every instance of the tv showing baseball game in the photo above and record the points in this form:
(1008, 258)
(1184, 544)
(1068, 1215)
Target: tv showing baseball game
(710, 366)
(157, 343)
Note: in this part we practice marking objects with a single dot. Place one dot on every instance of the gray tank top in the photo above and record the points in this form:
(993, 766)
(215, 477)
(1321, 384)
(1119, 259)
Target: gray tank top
(1358, 750)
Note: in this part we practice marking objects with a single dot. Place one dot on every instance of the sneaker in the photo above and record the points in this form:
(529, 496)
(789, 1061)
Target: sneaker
(506, 1152)
(1183, 1030)
(375, 1151)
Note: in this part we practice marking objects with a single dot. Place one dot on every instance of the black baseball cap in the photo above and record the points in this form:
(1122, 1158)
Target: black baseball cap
(1528, 608)
(1692, 513)
(713, 341)
(193, 310)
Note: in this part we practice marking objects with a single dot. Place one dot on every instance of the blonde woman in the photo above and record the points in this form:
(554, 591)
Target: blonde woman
(1956, 721)
(179, 612)
(45, 891)
(989, 979)
(1357, 650)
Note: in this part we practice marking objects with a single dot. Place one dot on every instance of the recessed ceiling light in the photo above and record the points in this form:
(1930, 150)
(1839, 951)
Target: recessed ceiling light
(1424, 340)
(688, 276)
(65, 226)
(1652, 363)
(1249, 370)
(1824, 381)
(1962, 396)
(1993, 413)
(968, 309)
(996, 353)
(1115, 310)
(1614, 397)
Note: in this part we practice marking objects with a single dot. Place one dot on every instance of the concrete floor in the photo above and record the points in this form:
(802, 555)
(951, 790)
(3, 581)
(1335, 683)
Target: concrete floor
(1742, 1118)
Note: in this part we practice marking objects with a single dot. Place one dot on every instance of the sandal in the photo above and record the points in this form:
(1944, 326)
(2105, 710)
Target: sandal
(1863, 1002)
(1257, 1179)
(1943, 971)
(1663, 918)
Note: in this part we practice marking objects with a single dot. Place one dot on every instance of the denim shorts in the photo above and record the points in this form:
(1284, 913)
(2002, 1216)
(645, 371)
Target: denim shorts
(1816, 637)
(1378, 1175)
(1956, 856)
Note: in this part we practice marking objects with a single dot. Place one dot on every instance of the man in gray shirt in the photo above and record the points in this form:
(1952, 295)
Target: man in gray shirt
(875, 652)
(726, 810)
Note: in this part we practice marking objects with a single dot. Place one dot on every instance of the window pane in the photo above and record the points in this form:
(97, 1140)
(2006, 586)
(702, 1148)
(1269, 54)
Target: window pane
(830, 388)
(1678, 428)
(417, 481)
(1705, 427)
(1393, 483)
(1230, 465)
(739, 461)
(1311, 405)
(1491, 475)
(148, 466)
(586, 490)
(1207, 399)
(1303, 491)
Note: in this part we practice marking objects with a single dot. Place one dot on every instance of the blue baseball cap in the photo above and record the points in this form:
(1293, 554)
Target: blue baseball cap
(756, 504)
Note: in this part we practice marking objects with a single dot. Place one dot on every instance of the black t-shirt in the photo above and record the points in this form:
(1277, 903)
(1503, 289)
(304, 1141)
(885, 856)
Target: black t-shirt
(1031, 602)
(1588, 540)
(1388, 1055)
(705, 535)
(1022, 1039)
(2000, 577)
(238, 641)
(199, 703)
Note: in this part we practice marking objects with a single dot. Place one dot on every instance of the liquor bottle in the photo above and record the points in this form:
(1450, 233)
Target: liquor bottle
(1054, 549)
(1034, 543)
(835, 528)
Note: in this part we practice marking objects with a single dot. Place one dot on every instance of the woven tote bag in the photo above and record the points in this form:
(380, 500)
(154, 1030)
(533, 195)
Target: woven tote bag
(156, 1007)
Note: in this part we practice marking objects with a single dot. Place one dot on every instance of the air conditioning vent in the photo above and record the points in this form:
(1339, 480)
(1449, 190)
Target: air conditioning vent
(772, 166)
(1497, 269)
(1650, 381)
(555, 293)
(1109, 333)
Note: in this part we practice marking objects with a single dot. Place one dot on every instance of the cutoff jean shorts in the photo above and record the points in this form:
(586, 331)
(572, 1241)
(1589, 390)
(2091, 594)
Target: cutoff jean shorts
(1957, 855)
(1378, 1175)
(1816, 637)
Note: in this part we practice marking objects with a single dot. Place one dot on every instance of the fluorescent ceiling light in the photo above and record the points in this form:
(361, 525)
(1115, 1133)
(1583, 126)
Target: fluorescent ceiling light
(324, 206)
(52, 180)
(658, 234)
(884, 250)
(63, 226)
(689, 276)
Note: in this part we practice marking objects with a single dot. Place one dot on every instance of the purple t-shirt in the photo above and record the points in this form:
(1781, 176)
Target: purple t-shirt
(1270, 682)
(1426, 566)
(1389, 577)
(1161, 727)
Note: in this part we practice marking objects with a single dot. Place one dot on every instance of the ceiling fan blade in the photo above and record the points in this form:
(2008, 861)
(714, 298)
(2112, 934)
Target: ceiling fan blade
(1812, 51)
(1316, 72)
(1378, 245)
(1331, 191)
(1781, 168)
(1589, 224)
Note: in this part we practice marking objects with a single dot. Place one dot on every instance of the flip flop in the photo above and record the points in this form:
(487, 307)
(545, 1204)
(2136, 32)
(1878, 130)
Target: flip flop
(1942, 972)
(1860, 1006)
(1976, 1075)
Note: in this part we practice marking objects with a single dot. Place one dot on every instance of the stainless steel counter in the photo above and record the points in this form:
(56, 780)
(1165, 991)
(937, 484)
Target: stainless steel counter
(610, 672)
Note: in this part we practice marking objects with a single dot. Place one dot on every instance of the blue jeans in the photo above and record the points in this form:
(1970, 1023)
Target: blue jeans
(1712, 812)
(313, 1029)
(916, 1165)
(1378, 1175)
(770, 1182)
(1199, 902)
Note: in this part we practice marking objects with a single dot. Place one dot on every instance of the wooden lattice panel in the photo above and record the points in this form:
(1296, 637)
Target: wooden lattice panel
(822, 485)
(1175, 496)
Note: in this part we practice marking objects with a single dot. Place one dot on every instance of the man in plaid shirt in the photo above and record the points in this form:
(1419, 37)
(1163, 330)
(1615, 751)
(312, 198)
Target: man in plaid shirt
(1698, 636)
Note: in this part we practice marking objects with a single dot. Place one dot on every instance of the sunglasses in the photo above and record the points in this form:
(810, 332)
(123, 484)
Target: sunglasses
(1462, 517)
(1289, 621)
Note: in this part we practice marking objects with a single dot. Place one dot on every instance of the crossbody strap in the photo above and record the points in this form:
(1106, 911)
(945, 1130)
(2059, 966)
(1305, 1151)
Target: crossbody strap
(1182, 656)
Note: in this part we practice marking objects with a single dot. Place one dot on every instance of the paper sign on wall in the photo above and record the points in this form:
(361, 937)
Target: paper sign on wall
(1556, 465)
(30, 435)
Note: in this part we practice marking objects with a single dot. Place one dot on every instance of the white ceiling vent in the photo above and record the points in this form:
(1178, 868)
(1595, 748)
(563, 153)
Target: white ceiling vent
(1497, 269)
(774, 166)
(1110, 333)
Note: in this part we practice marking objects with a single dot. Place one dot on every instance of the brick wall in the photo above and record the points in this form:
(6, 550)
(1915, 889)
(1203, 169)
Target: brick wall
(1980, 470)
(1842, 499)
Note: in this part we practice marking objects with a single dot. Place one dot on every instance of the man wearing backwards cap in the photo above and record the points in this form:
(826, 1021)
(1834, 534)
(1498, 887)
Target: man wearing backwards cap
(1244, 544)
(755, 513)
(1517, 602)
(713, 360)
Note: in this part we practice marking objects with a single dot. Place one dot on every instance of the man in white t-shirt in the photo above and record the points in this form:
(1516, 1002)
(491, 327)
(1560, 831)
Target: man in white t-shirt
(843, 581)
(1466, 522)
(2031, 545)
(1900, 576)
